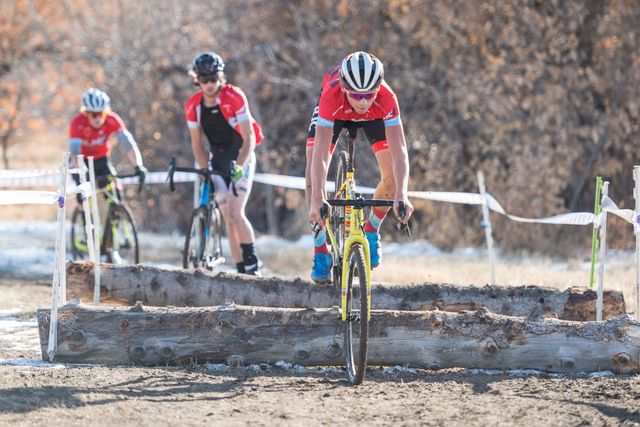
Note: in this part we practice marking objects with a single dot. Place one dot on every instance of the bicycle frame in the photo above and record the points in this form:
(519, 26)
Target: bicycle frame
(354, 233)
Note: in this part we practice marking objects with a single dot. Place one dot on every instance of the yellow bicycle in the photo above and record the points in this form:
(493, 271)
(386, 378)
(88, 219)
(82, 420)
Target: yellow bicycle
(351, 271)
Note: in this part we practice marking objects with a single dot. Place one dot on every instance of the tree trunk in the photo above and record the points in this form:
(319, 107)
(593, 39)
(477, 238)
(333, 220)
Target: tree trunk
(195, 288)
(313, 337)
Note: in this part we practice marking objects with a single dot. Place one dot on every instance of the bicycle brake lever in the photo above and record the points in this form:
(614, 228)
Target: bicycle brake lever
(170, 171)
(402, 212)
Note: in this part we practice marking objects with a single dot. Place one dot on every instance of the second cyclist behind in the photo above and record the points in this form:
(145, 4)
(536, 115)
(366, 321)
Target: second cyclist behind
(222, 130)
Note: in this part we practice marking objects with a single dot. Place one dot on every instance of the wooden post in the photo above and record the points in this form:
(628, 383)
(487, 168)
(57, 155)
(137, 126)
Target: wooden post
(88, 224)
(486, 224)
(96, 232)
(59, 289)
(594, 237)
(601, 256)
(636, 229)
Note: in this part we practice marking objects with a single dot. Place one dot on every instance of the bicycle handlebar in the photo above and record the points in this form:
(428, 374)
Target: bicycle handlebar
(360, 203)
(204, 172)
(141, 181)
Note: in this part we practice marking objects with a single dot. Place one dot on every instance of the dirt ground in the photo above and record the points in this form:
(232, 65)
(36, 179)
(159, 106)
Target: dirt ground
(272, 395)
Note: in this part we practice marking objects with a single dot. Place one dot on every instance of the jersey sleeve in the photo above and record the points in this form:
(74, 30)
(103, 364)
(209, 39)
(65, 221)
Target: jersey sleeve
(115, 123)
(240, 105)
(74, 128)
(325, 117)
(390, 105)
(191, 114)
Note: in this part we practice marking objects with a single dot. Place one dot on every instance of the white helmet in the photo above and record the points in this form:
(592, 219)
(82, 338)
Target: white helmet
(361, 72)
(95, 100)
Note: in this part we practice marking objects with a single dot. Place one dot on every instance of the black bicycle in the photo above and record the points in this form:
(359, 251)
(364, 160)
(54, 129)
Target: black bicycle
(118, 238)
(203, 242)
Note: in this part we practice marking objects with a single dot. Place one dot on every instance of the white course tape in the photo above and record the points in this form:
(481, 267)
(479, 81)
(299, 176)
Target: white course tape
(47, 177)
(611, 207)
(31, 197)
(27, 197)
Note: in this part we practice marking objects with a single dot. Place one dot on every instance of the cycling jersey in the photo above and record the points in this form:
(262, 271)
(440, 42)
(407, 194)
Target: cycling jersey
(233, 106)
(95, 142)
(335, 111)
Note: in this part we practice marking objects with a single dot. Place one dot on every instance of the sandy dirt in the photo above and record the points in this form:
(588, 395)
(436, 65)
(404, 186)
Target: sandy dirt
(272, 395)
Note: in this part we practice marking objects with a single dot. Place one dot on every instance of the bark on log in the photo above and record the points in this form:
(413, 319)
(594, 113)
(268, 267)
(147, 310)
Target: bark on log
(162, 287)
(142, 335)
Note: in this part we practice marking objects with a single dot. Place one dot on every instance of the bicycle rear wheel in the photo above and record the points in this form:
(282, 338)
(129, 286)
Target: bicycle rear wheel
(79, 248)
(357, 324)
(194, 244)
(121, 238)
(213, 246)
(337, 216)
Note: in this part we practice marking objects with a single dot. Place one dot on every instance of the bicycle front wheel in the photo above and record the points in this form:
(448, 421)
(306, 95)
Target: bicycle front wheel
(121, 239)
(79, 248)
(357, 324)
(213, 247)
(194, 244)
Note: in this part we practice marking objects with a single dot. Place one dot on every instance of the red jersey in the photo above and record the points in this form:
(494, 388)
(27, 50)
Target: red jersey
(95, 142)
(333, 104)
(233, 106)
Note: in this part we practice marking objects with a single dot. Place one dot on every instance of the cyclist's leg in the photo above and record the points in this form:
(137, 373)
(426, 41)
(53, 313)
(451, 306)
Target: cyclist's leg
(222, 196)
(375, 132)
(321, 270)
(238, 219)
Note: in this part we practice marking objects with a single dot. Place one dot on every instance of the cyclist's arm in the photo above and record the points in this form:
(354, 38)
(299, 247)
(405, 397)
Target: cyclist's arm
(126, 139)
(400, 159)
(319, 167)
(74, 148)
(248, 141)
(197, 145)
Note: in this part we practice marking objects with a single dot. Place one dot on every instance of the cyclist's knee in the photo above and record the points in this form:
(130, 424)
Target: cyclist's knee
(235, 217)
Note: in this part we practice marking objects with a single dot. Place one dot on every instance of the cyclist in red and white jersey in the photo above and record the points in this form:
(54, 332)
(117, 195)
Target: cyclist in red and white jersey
(219, 119)
(355, 96)
(91, 130)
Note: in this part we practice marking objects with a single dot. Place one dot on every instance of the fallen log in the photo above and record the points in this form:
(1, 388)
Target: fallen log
(142, 335)
(195, 288)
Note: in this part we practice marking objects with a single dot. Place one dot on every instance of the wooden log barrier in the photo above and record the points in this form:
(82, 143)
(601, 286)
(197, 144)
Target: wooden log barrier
(194, 288)
(141, 335)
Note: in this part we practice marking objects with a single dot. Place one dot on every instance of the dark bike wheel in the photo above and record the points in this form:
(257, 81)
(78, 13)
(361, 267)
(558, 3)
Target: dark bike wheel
(79, 248)
(121, 239)
(337, 215)
(357, 323)
(194, 244)
(213, 247)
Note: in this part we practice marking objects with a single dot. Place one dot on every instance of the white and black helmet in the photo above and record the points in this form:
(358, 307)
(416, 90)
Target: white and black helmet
(361, 72)
(95, 101)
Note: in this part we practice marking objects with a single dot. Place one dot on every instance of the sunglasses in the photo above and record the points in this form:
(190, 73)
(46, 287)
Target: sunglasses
(360, 96)
(208, 79)
(93, 115)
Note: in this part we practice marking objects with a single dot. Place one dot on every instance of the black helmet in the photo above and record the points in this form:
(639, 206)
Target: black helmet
(207, 63)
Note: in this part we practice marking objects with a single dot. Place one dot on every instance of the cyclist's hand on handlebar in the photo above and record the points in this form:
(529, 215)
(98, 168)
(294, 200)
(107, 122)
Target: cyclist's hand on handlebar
(315, 216)
(141, 171)
(402, 209)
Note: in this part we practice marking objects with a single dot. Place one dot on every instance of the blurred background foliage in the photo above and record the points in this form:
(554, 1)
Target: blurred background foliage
(541, 96)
